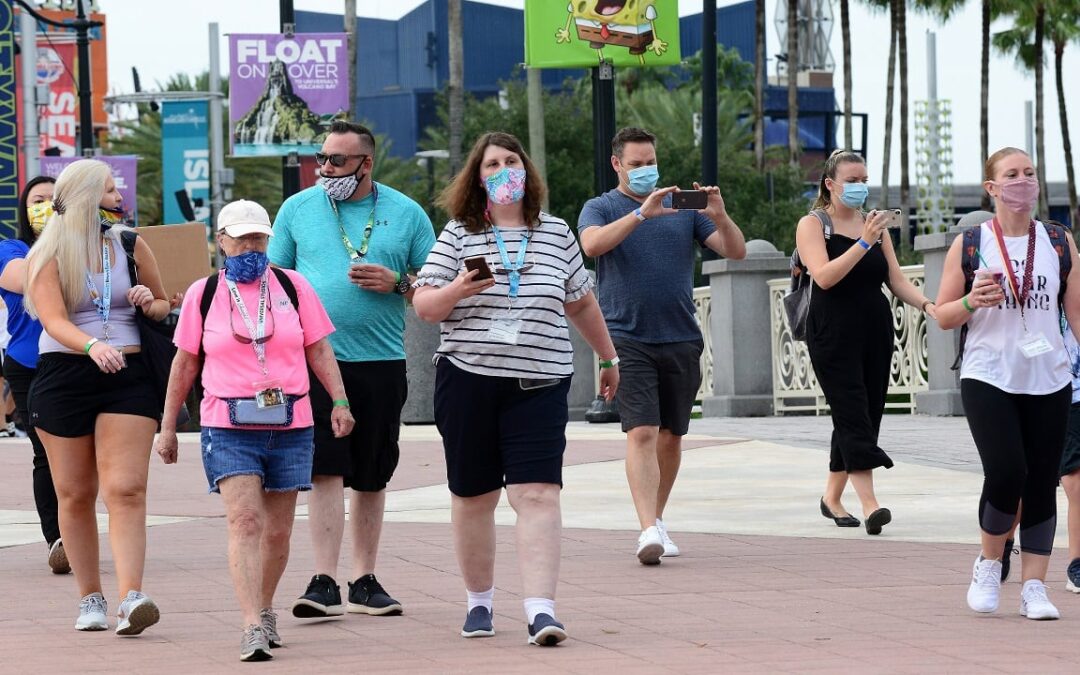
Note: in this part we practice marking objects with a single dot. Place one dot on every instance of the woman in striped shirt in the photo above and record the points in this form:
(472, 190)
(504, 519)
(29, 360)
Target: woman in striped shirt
(502, 280)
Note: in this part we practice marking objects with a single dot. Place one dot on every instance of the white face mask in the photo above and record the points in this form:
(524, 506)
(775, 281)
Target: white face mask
(339, 188)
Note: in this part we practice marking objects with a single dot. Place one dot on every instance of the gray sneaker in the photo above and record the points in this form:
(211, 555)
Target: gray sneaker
(92, 613)
(137, 613)
(269, 626)
(254, 646)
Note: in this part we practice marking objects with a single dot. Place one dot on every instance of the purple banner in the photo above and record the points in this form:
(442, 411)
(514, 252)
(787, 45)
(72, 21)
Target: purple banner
(123, 171)
(283, 91)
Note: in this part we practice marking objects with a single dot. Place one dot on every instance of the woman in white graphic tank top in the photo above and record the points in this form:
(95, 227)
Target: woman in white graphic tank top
(1015, 380)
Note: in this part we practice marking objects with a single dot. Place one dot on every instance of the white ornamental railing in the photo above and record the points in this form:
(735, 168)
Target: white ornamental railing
(703, 312)
(795, 388)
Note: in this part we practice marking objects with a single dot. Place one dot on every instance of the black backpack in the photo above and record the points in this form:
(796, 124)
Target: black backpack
(969, 263)
(797, 298)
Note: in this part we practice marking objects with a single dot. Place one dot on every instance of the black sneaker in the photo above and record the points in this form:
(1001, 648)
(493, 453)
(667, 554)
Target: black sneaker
(1005, 564)
(478, 623)
(322, 598)
(367, 596)
(1073, 574)
(545, 631)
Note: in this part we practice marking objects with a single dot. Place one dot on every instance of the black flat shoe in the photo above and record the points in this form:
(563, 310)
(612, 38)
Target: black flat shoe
(876, 520)
(841, 521)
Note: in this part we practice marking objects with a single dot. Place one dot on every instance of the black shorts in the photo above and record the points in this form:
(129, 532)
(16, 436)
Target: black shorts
(367, 457)
(496, 433)
(69, 391)
(658, 383)
(1070, 459)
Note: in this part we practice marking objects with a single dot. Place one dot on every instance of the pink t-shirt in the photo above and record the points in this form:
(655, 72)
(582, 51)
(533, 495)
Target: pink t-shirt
(231, 368)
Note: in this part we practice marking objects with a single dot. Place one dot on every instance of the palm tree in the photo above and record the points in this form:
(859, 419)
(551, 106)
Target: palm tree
(984, 96)
(759, 84)
(1040, 112)
(456, 85)
(792, 83)
(1063, 26)
(845, 32)
(890, 82)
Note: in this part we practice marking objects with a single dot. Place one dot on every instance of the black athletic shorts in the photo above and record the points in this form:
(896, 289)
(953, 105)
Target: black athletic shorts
(69, 391)
(658, 383)
(367, 457)
(1070, 459)
(499, 431)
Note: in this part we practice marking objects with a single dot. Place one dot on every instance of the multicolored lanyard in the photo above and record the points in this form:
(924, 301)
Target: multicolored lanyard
(512, 271)
(1020, 293)
(257, 329)
(102, 301)
(356, 254)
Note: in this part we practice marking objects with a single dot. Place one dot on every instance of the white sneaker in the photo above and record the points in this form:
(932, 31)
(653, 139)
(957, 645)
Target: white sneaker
(1034, 604)
(92, 611)
(650, 546)
(137, 613)
(984, 593)
(670, 549)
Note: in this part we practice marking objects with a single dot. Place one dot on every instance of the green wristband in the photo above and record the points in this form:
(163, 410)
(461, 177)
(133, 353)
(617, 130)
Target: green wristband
(91, 343)
(968, 307)
(397, 277)
(341, 403)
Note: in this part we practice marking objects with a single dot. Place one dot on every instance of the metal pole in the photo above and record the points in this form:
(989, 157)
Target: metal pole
(708, 93)
(603, 83)
(31, 141)
(86, 102)
(290, 164)
(350, 32)
(217, 140)
(1029, 127)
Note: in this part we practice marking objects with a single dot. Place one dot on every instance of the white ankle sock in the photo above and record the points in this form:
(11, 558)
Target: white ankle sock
(481, 599)
(534, 606)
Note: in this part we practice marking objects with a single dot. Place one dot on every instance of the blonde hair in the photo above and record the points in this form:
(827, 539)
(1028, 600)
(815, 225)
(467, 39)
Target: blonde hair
(72, 236)
(992, 160)
(838, 157)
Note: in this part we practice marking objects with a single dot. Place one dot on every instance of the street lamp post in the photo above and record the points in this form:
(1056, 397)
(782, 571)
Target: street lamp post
(86, 104)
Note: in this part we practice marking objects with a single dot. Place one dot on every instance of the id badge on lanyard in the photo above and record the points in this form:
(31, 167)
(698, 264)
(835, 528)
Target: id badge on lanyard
(506, 330)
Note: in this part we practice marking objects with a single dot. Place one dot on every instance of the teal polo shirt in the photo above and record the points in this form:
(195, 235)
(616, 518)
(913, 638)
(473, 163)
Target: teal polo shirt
(369, 326)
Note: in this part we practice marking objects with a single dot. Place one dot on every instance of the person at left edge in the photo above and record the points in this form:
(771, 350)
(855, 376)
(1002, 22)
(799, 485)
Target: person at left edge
(355, 240)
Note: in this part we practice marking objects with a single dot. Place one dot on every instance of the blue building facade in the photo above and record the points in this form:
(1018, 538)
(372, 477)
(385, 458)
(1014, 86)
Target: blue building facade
(403, 64)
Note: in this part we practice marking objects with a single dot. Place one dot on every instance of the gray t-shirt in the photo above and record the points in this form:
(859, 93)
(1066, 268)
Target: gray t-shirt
(646, 284)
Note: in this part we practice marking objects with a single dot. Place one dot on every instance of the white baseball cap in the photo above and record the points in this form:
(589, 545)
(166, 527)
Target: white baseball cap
(244, 217)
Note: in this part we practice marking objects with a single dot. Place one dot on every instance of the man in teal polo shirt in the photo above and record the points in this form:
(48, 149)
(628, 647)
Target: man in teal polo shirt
(355, 241)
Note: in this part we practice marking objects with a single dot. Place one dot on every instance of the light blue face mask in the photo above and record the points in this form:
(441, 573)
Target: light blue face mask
(854, 195)
(642, 180)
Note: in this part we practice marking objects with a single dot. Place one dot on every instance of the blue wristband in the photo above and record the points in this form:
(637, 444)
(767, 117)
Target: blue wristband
(862, 243)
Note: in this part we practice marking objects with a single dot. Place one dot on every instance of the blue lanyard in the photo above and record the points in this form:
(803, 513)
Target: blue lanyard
(102, 301)
(513, 271)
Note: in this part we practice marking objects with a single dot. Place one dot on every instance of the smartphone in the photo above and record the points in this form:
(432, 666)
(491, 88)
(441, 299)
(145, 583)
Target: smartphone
(690, 199)
(478, 262)
(896, 217)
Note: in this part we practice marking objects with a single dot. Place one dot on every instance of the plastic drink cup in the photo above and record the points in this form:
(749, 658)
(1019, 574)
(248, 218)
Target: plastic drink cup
(995, 272)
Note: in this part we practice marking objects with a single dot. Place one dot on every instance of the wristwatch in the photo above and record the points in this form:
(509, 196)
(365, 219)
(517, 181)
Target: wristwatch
(402, 285)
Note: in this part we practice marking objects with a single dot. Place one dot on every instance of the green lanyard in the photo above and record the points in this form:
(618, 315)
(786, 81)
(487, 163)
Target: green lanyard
(356, 254)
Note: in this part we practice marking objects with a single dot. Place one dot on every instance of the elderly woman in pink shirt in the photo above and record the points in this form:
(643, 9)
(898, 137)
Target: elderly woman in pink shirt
(257, 330)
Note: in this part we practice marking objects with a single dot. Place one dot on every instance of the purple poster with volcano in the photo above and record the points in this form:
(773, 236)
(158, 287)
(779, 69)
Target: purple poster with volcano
(124, 172)
(284, 90)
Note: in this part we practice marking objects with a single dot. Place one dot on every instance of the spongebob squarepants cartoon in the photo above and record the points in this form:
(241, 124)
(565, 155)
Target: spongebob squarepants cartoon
(621, 23)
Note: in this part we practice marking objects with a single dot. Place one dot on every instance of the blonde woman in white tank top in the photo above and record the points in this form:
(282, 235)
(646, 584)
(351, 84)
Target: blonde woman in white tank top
(1015, 378)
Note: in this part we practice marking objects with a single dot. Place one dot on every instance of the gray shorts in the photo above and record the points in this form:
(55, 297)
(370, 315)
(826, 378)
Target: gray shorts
(658, 383)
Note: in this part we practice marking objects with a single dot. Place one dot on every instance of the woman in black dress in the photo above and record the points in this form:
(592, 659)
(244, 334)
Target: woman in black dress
(850, 328)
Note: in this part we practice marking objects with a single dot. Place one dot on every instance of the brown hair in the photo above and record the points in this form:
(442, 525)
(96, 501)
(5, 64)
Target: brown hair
(340, 126)
(465, 198)
(992, 160)
(838, 157)
(630, 135)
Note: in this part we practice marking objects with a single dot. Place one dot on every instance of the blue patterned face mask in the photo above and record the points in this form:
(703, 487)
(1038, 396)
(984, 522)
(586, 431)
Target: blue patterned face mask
(642, 180)
(246, 267)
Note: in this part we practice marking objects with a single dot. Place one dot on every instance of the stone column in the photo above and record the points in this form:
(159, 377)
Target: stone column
(421, 341)
(740, 331)
(943, 396)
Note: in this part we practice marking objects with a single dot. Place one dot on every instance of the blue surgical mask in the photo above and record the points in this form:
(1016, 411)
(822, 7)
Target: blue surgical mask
(642, 180)
(854, 195)
(246, 267)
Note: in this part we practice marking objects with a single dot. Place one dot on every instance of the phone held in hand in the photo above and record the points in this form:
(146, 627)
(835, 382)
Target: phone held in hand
(477, 262)
(690, 200)
(896, 217)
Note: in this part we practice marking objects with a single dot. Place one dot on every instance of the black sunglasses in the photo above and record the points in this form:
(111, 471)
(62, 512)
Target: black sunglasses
(337, 160)
(246, 339)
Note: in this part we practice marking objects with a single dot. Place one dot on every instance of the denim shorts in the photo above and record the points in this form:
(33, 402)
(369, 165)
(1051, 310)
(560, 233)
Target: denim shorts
(282, 458)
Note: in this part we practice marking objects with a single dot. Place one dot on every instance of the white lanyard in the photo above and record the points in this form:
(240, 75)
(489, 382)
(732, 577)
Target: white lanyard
(102, 301)
(257, 330)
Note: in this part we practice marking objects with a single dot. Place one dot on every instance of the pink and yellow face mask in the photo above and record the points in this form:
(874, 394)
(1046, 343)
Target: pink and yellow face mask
(39, 215)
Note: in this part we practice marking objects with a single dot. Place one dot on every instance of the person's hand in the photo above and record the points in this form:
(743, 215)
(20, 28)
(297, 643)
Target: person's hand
(985, 292)
(654, 203)
(372, 277)
(167, 446)
(716, 208)
(176, 300)
(609, 383)
(341, 420)
(108, 358)
(141, 296)
(467, 285)
(931, 310)
(873, 226)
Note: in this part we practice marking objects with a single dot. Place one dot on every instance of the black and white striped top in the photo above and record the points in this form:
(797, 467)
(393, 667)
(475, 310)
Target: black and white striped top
(555, 275)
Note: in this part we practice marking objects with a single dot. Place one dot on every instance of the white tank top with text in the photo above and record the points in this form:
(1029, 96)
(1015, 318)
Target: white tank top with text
(992, 353)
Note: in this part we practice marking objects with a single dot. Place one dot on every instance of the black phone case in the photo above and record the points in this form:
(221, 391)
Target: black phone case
(485, 269)
(689, 199)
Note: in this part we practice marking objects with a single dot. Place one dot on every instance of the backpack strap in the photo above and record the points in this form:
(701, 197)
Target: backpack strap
(127, 241)
(969, 257)
(1059, 240)
(825, 220)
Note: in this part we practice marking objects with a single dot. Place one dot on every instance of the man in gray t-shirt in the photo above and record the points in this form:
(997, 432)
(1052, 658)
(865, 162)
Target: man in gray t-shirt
(645, 253)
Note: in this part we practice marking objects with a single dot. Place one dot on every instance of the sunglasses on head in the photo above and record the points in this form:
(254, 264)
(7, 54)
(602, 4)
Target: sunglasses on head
(337, 160)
